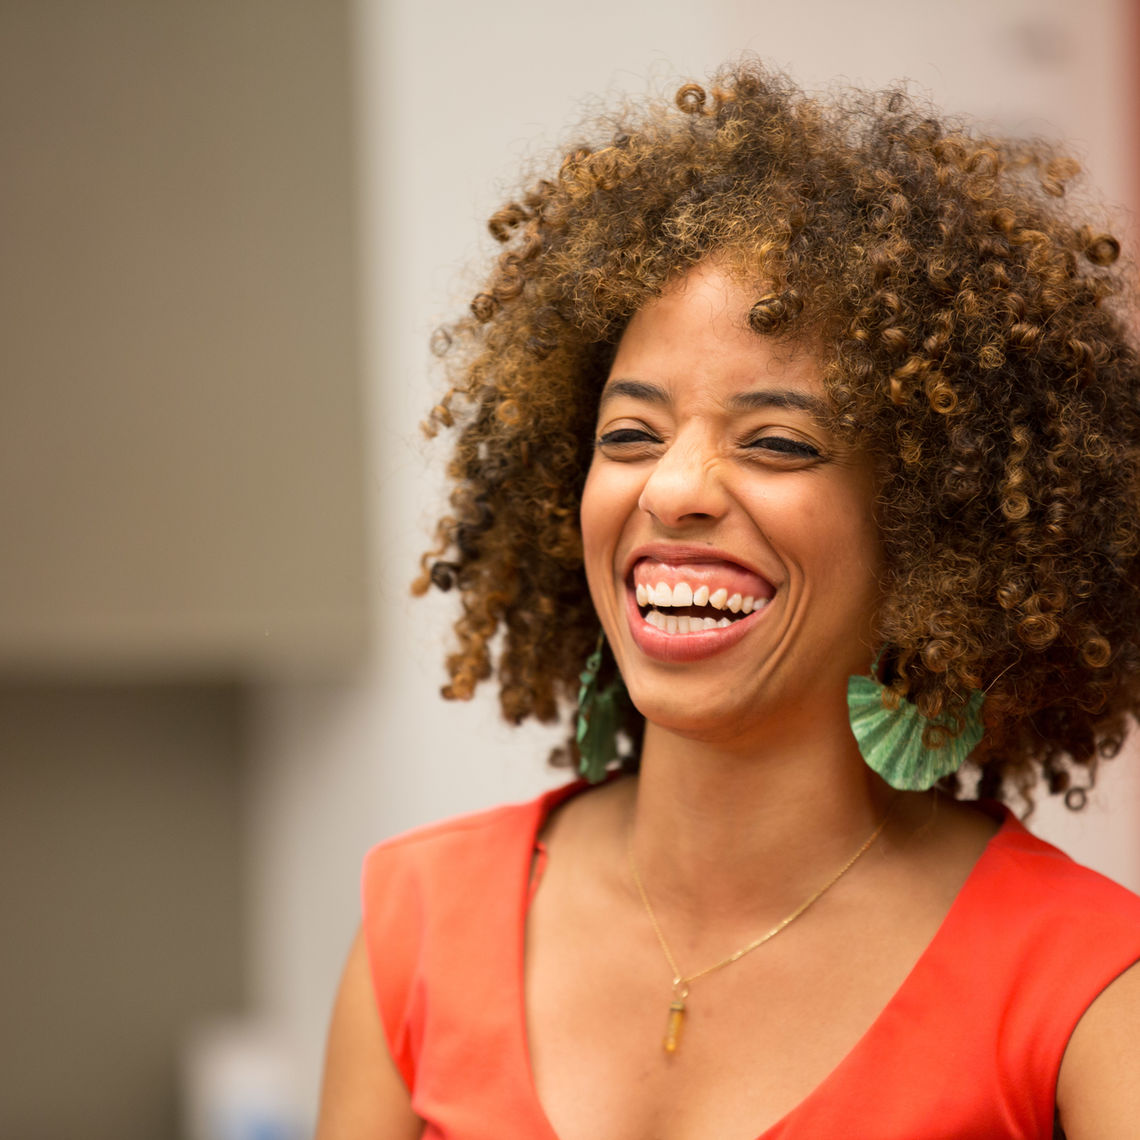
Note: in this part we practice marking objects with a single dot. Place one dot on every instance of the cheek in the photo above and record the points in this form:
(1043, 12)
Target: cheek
(832, 531)
(608, 498)
(852, 542)
(596, 517)
(589, 515)
(856, 554)
(607, 512)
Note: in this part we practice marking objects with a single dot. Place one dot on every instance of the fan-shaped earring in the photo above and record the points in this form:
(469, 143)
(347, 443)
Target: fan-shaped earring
(890, 739)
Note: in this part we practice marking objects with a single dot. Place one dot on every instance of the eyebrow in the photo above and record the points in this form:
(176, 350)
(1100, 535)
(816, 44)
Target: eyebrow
(779, 398)
(634, 390)
(752, 401)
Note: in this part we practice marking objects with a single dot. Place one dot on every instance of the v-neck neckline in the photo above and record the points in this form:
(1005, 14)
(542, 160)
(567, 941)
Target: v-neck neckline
(963, 900)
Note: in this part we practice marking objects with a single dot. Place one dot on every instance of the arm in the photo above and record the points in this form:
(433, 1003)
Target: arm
(363, 1095)
(1098, 1090)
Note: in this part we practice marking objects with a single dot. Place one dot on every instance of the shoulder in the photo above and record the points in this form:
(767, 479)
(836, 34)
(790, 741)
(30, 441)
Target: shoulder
(1039, 883)
(1041, 935)
(435, 840)
(1098, 1089)
(1063, 930)
(466, 840)
(436, 874)
(1081, 934)
(1029, 943)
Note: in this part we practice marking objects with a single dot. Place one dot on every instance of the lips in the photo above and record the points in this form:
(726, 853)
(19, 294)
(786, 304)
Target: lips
(684, 604)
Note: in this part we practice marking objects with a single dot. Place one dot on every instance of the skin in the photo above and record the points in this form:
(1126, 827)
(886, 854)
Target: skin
(712, 444)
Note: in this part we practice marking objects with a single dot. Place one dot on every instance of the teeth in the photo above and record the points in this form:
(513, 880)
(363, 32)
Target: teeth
(664, 596)
(681, 623)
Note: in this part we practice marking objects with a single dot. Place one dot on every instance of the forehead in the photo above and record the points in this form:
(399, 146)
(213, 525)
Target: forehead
(695, 341)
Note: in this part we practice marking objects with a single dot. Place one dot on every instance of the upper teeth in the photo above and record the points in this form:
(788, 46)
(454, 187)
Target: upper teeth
(682, 594)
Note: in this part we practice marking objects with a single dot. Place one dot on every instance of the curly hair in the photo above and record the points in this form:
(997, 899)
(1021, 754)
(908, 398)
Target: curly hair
(967, 337)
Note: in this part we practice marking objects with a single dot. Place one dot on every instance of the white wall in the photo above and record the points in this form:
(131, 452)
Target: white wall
(452, 97)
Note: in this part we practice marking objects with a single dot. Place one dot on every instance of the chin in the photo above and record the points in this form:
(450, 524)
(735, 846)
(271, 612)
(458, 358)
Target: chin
(695, 714)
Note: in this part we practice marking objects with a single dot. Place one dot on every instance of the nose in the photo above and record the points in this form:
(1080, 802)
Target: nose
(684, 485)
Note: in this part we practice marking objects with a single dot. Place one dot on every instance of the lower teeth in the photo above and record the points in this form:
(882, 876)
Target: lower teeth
(673, 623)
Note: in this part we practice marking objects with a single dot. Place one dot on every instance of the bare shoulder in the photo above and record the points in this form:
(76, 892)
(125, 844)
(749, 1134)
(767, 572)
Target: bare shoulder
(1098, 1091)
(363, 1095)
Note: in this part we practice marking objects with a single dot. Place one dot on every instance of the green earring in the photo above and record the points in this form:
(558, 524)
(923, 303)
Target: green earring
(890, 740)
(599, 711)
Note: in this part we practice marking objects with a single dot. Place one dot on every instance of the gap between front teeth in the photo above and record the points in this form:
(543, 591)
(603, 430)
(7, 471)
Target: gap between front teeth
(683, 594)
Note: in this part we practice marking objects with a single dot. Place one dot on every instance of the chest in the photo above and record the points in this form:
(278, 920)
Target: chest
(757, 1038)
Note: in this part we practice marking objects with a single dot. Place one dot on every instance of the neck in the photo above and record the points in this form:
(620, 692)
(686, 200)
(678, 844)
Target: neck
(750, 830)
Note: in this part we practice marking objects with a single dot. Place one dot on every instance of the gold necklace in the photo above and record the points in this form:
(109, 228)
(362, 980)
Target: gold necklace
(681, 982)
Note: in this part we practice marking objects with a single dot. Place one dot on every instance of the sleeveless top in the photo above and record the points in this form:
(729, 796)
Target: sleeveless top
(969, 1046)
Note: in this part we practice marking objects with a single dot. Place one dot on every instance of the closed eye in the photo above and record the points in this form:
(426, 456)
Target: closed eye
(619, 436)
(782, 445)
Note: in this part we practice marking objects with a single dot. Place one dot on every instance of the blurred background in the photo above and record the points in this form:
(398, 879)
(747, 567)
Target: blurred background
(227, 230)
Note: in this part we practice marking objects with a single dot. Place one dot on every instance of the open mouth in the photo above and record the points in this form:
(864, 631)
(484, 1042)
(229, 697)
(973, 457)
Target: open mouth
(695, 598)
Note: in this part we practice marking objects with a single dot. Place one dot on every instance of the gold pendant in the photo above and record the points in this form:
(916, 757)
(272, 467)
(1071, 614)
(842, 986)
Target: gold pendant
(674, 1024)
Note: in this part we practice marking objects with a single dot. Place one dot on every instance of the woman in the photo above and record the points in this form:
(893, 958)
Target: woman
(831, 405)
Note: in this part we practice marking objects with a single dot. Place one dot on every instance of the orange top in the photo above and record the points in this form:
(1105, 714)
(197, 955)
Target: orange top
(969, 1046)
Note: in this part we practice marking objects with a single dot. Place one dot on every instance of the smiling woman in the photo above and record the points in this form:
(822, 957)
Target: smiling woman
(798, 443)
